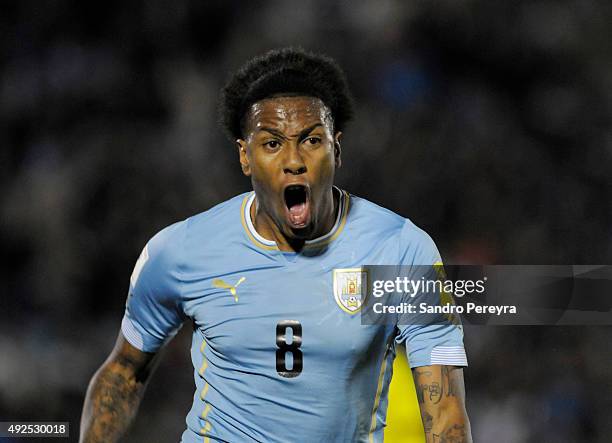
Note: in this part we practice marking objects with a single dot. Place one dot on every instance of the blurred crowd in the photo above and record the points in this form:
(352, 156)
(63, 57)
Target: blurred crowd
(488, 123)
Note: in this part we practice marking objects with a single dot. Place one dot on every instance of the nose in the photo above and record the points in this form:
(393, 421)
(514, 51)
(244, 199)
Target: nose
(294, 163)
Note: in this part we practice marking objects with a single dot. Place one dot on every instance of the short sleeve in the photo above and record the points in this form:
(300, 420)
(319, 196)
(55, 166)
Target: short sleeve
(153, 311)
(440, 342)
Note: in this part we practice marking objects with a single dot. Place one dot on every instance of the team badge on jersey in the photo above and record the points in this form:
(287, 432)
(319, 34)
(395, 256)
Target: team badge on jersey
(350, 287)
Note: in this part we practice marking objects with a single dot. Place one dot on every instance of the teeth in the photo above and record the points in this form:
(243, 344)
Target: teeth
(298, 209)
(298, 214)
(296, 200)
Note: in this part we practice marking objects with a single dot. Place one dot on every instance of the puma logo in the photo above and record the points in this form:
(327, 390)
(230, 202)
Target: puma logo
(218, 283)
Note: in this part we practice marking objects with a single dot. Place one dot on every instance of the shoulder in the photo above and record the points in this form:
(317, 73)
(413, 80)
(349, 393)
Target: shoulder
(411, 233)
(375, 217)
(378, 218)
(159, 256)
(223, 212)
(211, 221)
(415, 245)
(166, 249)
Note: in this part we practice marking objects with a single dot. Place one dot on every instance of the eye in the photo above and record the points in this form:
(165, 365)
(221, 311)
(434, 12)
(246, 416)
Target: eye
(313, 140)
(273, 144)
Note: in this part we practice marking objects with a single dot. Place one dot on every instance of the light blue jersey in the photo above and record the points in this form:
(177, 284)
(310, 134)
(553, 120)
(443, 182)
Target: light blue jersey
(277, 355)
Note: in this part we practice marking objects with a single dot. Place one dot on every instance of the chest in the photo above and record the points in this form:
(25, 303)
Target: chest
(303, 310)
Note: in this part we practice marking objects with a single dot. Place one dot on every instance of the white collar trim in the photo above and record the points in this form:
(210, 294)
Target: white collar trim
(253, 231)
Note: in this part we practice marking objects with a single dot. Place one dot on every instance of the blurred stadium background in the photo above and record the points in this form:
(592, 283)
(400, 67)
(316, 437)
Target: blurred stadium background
(488, 123)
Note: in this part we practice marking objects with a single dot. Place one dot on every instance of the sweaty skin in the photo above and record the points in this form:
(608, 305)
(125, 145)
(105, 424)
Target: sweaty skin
(291, 141)
(441, 396)
(115, 392)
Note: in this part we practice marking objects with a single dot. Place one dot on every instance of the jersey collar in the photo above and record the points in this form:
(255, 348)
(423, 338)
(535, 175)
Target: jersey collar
(264, 243)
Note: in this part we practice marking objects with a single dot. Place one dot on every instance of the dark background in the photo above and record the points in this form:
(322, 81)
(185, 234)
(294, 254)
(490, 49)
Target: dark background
(488, 123)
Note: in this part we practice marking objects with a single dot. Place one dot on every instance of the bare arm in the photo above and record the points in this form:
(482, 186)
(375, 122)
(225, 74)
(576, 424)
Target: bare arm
(441, 394)
(114, 393)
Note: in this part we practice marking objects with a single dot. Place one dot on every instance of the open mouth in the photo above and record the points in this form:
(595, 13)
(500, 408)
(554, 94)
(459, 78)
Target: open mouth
(298, 206)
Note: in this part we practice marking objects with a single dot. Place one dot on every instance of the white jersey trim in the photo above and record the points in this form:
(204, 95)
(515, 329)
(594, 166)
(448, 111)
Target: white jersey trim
(131, 334)
(249, 222)
(448, 355)
(251, 227)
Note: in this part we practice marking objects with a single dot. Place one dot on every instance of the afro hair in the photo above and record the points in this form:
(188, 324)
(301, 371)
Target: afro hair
(288, 71)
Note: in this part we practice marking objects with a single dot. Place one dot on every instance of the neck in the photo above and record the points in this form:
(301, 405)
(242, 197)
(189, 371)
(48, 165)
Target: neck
(324, 222)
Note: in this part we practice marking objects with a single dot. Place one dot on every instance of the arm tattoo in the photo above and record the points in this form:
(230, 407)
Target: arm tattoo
(454, 434)
(440, 397)
(427, 422)
(114, 394)
(451, 389)
(113, 401)
(434, 391)
(421, 388)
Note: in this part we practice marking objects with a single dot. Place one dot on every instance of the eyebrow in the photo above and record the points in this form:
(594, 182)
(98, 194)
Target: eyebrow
(278, 133)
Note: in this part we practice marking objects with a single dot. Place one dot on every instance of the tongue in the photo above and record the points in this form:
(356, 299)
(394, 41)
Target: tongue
(298, 213)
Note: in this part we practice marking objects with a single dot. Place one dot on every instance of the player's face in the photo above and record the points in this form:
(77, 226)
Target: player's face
(290, 153)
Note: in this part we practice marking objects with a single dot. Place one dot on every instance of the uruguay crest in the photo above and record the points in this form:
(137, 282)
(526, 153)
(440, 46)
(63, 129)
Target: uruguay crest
(350, 287)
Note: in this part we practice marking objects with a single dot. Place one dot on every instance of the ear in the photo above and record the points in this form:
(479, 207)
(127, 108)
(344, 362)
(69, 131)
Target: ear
(244, 159)
(337, 150)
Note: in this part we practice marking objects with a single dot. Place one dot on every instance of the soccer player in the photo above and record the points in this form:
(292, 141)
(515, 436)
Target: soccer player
(270, 281)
